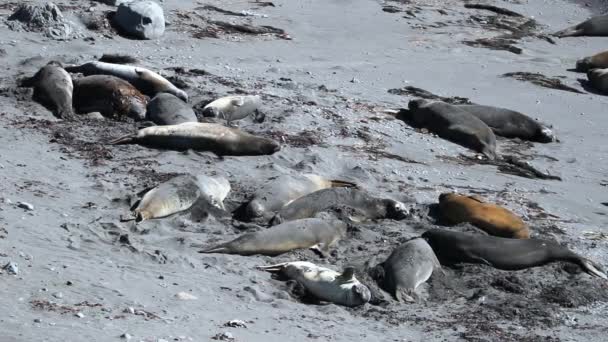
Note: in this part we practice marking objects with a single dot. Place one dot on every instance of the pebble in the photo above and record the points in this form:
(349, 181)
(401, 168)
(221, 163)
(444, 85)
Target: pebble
(126, 336)
(185, 296)
(58, 295)
(37, 320)
(235, 323)
(25, 205)
(224, 336)
(11, 268)
(80, 315)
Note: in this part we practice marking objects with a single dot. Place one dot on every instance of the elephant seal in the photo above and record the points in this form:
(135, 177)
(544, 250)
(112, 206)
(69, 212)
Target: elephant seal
(109, 95)
(313, 233)
(53, 88)
(199, 136)
(503, 253)
(491, 218)
(599, 79)
(179, 194)
(597, 61)
(324, 283)
(510, 124)
(147, 81)
(451, 123)
(281, 191)
(365, 205)
(232, 108)
(167, 109)
(596, 26)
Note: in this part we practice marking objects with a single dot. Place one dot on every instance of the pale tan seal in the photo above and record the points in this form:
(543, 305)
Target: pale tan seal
(324, 283)
(317, 234)
(199, 136)
(111, 96)
(53, 88)
(232, 108)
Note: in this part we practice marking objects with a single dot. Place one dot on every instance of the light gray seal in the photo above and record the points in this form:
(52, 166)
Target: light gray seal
(168, 109)
(281, 191)
(451, 123)
(53, 88)
(408, 266)
(199, 136)
(324, 283)
(365, 206)
(596, 26)
(111, 96)
(511, 124)
(147, 81)
(313, 233)
(232, 108)
(452, 247)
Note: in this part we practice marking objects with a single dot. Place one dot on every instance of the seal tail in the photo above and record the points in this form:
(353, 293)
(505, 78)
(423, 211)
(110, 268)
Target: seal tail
(337, 183)
(222, 248)
(126, 140)
(272, 268)
(569, 32)
(592, 268)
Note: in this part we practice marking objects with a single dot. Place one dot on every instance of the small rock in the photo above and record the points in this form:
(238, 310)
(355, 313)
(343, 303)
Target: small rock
(235, 323)
(185, 296)
(355, 80)
(58, 295)
(80, 315)
(37, 320)
(126, 336)
(130, 310)
(11, 268)
(69, 283)
(141, 19)
(224, 336)
(94, 116)
(25, 205)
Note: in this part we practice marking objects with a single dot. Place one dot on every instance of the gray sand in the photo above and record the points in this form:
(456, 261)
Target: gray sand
(323, 93)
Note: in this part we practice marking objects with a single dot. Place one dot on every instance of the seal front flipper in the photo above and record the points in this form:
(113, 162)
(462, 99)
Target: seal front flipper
(320, 249)
(125, 140)
(238, 102)
(348, 275)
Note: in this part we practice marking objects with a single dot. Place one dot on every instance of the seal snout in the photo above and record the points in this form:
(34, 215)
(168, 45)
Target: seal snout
(583, 64)
(546, 135)
(361, 293)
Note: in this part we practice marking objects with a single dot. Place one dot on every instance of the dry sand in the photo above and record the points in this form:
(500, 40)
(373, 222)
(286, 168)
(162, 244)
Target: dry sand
(323, 90)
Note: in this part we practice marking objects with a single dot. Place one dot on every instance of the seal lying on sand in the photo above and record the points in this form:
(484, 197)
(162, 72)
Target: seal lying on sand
(451, 123)
(147, 81)
(493, 219)
(597, 61)
(408, 266)
(167, 109)
(281, 191)
(109, 95)
(599, 79)
(323, 283)
(53, 88)
(179, 194)
(503, 253)
(232, 108)
(215, 138)
(319, 201)
(313, 233)
(510, 124)
(596, 26)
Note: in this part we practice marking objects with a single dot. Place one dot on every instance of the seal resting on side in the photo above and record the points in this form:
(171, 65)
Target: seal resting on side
(109, 95)
(199, 136)
(597, 61)
(313, 233)
(168, 109)
(503, 253)
(491, 218)
(596, 26)
(324, 283)
(232, 108)
(53, 88)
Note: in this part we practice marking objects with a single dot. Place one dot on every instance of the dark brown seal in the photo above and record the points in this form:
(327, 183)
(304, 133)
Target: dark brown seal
(111, 96)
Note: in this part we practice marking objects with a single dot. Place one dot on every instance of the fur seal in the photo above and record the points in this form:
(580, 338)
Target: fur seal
(199, 136)
(180, 194)
(109, 95)
(511, 124)
(491, 218)
(599, 79)
(232, 108)
(281, 191)
(503, 253)
(597, 61)
(408, 266)
(451, 123)
(147, 81)
(324, 283)
(53, 88)
(168, 109)
(313, 233)
(365, 205)
(596, 26)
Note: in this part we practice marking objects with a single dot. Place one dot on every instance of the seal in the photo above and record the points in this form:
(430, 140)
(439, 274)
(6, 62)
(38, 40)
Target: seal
(147, 81)
(365, 206)
(53, 88)
(109, 95)
(511, 124)
(180, 194)
(597, 61)
(596, 26)
(313, 233)
(324, 283)
(168, 109)
(232, 108)
(408, 266)
(491, 218)
(503, 253)
(281, 191)
(199, 136)
(598, 78)
(451, 123)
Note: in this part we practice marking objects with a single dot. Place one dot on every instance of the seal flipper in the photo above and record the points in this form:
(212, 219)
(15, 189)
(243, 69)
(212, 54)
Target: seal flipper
(238, 102)
(126, 140)
(222, 249)
(592, 268)
(348, 275)
(405, 295)
(272, 268)
(337, 183)
(569, 32)
(320, 249)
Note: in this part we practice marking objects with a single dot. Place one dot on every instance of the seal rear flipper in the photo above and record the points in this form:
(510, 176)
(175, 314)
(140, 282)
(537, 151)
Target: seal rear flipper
(569, 32)
(337, 183)
(272, 268)
(221, 248)
(405, 295)
(126, 140)
(592, 268)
